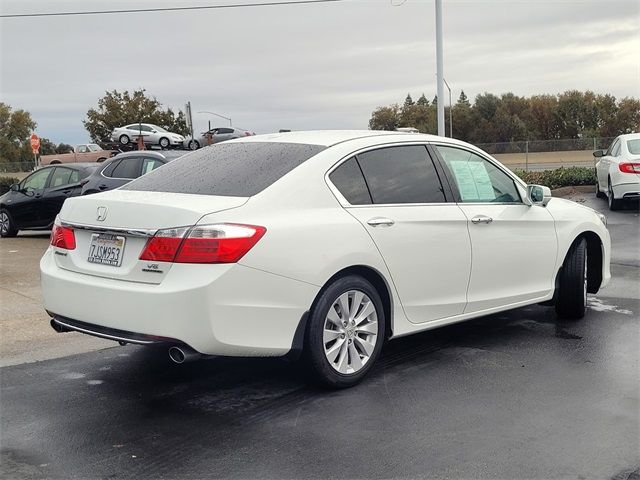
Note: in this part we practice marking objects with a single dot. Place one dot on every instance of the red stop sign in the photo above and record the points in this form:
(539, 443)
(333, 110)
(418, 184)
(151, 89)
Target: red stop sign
(35, 142)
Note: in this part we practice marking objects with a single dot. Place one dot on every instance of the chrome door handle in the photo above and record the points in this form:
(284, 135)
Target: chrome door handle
(481, 219)
(378, 221)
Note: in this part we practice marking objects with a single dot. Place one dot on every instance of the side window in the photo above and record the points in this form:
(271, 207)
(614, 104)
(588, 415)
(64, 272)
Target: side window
(401, 175)
(348, 179)
(477, 179)
(127, 168)
(616, 149)
(37, 180)
(60, 176)
(149, 164)
(612, 147)
(222, 131)
(82, 149)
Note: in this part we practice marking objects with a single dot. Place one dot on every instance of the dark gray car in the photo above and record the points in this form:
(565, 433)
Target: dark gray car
(124, 167)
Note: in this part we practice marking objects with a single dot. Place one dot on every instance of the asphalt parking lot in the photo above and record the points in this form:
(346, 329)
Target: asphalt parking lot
(514, 395)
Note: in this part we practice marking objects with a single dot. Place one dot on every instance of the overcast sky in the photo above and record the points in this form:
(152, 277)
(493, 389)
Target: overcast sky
(307, 66)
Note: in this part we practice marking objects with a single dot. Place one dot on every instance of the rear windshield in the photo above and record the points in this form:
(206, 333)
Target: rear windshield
(227, 169)
(634, 146)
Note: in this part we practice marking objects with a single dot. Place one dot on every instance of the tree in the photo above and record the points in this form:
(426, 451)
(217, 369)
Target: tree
(64, 148)
(408, 102)
(15, 129)
(47, 147)
(117, 109)
(463, 100)
(422, 101)
(385, 118)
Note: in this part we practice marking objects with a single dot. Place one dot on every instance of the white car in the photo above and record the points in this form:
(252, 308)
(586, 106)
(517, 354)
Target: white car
(324, 242)
(618, 170)
(152, 135)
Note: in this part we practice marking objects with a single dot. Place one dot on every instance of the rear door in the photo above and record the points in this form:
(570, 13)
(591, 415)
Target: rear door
(63, 183)
(513, 245)
(397, 194)
(602, 169)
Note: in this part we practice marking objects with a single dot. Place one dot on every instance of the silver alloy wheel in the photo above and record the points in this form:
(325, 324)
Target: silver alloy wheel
(350, 332)
(164, 142)
(124, 139)
(4, 223)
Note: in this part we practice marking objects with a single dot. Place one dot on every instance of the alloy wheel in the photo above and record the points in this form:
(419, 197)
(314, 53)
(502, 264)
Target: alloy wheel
(4, 223)
(350, 332)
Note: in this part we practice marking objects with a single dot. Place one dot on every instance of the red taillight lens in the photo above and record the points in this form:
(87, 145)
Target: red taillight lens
(629, 167)
(222, 243)
(63, 237)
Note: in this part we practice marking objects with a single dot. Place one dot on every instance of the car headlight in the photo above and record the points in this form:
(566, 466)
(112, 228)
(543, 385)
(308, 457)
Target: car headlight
(603, 218)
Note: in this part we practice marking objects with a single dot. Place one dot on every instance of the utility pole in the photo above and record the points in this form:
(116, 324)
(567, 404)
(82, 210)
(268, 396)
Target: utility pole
(450, 109)
(440, 72)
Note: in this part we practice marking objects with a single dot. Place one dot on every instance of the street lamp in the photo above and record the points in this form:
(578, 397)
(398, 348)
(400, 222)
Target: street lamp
(450, 108)
(218, 115)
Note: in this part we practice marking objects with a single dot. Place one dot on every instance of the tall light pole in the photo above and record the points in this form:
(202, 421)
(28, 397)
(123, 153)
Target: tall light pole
(450, 109)
(440, 73)
(218, 115)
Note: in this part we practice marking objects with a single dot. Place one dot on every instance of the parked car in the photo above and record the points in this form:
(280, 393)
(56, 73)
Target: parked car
(618, 170)
(151, 134)
(328, 242)
(124, 167)
(86, 152)
(33, 203)
(218, 134)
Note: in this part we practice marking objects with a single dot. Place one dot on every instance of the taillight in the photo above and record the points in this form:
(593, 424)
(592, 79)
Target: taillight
(629, 167)
(63, 237)
(220, 243)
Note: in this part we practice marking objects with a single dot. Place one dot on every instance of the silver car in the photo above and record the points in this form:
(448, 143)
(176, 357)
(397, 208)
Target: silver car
(215, 135)
(152, 135)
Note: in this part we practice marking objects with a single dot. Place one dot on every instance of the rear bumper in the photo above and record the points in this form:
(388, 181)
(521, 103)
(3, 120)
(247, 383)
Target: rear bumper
(229, 309)
(627, 191)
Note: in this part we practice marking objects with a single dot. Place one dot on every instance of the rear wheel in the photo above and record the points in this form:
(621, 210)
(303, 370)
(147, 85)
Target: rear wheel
(7, 227)
(614, 203)
(572, 294)
(345, 332)
(194, 145)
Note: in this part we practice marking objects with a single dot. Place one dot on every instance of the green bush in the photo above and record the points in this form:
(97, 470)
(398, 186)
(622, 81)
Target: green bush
(5, 183)
(560, 177)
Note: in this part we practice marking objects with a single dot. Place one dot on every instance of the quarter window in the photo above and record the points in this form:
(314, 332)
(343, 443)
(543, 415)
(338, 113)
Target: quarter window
(401, 175)
(477, 179)
(149, 164)
(348, 179)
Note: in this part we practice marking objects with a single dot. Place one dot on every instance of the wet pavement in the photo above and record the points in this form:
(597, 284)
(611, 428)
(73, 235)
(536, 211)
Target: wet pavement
(513, 395)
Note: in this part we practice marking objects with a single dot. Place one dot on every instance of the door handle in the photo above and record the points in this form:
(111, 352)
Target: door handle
(380, 221)
(481, 219)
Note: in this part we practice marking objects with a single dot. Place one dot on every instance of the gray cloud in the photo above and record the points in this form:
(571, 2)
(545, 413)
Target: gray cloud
(305, 67)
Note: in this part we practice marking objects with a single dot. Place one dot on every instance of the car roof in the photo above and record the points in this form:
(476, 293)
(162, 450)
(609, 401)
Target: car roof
(163, 155)
(73, 166)
(329, 138)
(630, 136)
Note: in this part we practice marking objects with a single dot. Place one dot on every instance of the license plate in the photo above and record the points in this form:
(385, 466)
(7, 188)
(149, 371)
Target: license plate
(106, 249)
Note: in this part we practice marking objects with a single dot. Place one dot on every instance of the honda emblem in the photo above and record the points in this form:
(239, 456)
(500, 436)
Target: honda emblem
(102, 214)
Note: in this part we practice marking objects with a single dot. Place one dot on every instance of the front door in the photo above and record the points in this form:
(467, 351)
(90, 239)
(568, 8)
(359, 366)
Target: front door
(26, 204)
(396, 194)
(513, 245)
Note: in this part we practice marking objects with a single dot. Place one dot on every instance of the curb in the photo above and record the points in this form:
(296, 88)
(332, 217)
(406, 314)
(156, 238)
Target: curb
(564, 191)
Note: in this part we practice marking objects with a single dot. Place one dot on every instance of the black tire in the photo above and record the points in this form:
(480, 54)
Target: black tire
(614, 203)
(193, 145)
(55, 162)
(7, 227)
(314, 348)
(599, 194)
(164, 143)
(124, 140)
(100, 160)
(572, 293)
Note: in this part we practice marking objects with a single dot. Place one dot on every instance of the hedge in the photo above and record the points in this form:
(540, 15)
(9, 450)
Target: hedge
(5, 183)
(560, 177)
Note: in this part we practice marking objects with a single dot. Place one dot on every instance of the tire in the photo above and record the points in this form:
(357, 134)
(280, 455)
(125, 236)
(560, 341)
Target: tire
(614, 203)
(340, 356)
(55, 162)
(193, 145)
(572, 294)
(124, 140)
(7, 227)
(164, 143)
(599, 194)
(100, 160)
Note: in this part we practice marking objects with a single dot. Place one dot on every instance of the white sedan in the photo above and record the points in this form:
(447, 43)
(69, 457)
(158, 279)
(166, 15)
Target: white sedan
(618, 170)
(151, 134)
(324, 242)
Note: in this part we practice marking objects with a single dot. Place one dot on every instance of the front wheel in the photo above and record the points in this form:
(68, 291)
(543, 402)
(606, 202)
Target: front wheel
(572, 294)
(345, 332)
(7, 227)
(164, 143)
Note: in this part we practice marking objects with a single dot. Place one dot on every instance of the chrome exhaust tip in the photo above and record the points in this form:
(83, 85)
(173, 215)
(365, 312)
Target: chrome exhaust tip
(183, 354)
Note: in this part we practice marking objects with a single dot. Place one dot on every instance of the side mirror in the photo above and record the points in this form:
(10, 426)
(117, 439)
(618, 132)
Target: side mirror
(539, 194)
(15, 187)
(598, 153)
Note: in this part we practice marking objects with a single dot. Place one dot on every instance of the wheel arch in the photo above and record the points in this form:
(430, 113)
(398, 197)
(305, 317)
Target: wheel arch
(594, 260)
